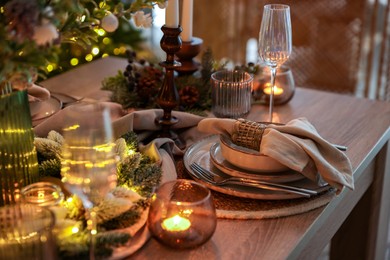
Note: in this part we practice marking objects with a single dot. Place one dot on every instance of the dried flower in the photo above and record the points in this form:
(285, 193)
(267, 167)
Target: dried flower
(163, 5)
(45, 34)
(142, 20)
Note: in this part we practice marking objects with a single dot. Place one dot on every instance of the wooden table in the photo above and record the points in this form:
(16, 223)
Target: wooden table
(356, 222)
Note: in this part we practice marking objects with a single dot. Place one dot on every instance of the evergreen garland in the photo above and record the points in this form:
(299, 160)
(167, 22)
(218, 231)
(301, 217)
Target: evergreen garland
(138, 85)
(137, 176)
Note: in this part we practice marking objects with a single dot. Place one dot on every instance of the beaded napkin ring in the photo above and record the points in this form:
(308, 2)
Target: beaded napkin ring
(248, 133)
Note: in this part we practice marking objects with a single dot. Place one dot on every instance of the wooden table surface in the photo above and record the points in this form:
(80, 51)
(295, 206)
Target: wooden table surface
(355, 221)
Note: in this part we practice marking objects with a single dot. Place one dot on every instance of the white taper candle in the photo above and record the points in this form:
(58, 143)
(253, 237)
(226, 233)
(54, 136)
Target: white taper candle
(186, 20)
(172, 14)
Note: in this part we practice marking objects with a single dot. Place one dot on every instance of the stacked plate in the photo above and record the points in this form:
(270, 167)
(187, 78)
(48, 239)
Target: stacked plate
(41, 110)
(219, 155)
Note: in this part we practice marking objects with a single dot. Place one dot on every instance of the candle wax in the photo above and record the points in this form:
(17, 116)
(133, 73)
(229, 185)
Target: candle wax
(176, 223)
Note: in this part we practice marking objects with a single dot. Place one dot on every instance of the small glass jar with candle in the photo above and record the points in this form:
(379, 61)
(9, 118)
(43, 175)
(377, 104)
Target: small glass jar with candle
(26, 232)
(284, 88)
(44, 194)
(182, 214)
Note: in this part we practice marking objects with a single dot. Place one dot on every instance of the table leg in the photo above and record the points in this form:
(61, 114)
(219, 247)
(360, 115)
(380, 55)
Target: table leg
(367, 225)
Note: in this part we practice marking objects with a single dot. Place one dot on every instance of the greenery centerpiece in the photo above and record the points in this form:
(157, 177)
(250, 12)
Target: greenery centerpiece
(137, 176)
(137, 85)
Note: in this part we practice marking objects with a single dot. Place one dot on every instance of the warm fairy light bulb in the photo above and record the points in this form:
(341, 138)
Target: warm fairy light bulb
(74, 61)
(75, 230)
(106, 40)
(50, 68)
(89, 57)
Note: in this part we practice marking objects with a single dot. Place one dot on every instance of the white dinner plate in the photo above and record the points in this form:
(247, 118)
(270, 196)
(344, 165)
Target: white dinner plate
(200, 153)
(46, 108)
(278, 177)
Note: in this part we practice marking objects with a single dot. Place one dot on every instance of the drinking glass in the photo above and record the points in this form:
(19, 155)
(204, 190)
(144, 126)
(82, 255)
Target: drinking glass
(275, 41)
(89, 161)
(231, 93)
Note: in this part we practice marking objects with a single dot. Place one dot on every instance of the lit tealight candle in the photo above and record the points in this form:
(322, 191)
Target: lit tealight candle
(277, 90)
(176, 224)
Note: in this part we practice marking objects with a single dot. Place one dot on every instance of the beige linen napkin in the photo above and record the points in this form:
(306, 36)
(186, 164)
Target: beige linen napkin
(297, 145)
(55, 122)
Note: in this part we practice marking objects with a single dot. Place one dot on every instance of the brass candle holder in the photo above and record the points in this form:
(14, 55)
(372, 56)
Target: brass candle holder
(168, 96)
(186, 55)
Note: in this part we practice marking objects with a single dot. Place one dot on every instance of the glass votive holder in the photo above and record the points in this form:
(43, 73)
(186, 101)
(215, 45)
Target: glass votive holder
(231, 93)
(44, 194)
(25, 232)
(182, 214)
(284, 86)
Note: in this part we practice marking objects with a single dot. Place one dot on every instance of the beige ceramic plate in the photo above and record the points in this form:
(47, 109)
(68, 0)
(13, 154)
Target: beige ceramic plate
(200, 153)
(248, 159)
(278, 177)
(46, 108)
(140, 234)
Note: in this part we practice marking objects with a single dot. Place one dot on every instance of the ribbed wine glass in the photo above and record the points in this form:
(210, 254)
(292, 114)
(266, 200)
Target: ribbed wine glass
(275, 41)
(89, 161)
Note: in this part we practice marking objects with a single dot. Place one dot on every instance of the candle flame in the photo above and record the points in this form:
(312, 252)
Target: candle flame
(176, 223)
(277, 90)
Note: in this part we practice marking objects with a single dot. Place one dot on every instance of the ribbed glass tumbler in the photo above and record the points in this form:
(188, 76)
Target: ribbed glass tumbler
(18, 157)
(231, 93)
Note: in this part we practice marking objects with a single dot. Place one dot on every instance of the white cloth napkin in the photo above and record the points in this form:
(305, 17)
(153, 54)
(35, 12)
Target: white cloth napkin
(299, 146)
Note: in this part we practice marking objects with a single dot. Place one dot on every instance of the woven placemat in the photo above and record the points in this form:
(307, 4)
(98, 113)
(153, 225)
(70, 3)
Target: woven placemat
(231, 207)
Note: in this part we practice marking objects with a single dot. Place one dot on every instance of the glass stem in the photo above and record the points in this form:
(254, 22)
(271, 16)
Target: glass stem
(271, 96)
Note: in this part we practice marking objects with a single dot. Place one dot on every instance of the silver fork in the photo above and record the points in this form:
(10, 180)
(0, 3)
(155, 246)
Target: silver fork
(218, 180)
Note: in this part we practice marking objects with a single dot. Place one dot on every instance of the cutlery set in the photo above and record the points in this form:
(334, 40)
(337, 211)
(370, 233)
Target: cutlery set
(217, 179)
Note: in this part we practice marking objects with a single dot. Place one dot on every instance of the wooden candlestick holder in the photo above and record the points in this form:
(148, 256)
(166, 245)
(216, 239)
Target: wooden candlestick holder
(168, 96)
(186, 55)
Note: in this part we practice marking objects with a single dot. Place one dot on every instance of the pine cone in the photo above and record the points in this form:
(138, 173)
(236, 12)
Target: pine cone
(189, 96)
(22, 17)
(147, 88)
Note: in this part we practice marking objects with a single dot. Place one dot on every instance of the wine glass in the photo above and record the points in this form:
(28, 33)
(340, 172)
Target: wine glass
(89, 162)
(275, 43)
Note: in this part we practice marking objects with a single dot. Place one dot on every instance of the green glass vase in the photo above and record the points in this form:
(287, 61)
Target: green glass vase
(18, 156)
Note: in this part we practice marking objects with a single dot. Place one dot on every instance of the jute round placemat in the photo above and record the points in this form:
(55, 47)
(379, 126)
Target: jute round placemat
(231, 207)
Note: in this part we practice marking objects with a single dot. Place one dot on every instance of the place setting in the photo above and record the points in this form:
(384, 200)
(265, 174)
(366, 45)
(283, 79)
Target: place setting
(205, 162)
